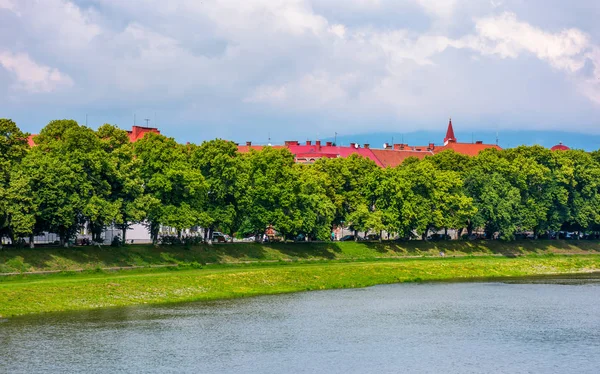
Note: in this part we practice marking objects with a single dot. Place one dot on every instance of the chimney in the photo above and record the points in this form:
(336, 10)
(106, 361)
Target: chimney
(479, 142)
(318, 143)
(248, 144)
(308, 142)
(329, 144)
(352, 145)
(431, 146)
(366, 145)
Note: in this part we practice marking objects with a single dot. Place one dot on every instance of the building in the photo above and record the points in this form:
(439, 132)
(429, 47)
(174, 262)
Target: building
(390, 156)
(138, 132)
(560, 147)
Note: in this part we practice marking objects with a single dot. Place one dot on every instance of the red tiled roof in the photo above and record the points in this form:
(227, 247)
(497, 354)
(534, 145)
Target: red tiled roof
(393, 158)
(469, 149)
(318, 151)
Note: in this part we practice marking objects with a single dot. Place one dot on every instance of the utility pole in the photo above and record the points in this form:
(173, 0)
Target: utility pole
(147, 120)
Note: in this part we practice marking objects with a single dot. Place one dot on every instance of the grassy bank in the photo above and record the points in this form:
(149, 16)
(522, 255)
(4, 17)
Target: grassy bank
(91, 258)
(37, 294)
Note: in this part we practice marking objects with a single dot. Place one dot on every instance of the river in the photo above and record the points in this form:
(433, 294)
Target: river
(533, 326)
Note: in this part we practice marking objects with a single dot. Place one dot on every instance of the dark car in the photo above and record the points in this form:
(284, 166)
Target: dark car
(347, 238)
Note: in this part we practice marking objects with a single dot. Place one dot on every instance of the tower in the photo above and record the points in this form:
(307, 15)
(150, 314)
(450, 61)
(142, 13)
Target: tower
(449, 134)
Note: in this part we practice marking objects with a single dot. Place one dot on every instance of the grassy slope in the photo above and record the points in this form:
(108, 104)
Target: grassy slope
(41, 259)
(38, 294)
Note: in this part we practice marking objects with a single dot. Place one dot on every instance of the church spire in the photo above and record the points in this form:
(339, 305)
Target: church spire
(449, 134)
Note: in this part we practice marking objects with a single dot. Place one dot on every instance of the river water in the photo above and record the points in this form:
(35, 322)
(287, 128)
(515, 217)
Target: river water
(539, 326)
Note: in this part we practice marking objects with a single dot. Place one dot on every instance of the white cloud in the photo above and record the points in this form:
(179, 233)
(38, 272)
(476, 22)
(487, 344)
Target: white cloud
(7, 4)
(311, 91)
(33, 77)
(440, 8)
(355, 60)
(506, 36)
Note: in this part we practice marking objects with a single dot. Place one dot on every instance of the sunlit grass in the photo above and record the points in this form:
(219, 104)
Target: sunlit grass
(80, 291)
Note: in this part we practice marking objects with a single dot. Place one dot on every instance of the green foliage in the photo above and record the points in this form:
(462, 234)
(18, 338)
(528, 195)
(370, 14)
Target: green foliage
(76, 177)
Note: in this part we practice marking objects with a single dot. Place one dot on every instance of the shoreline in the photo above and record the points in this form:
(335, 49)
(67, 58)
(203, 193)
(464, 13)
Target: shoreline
(86, 291)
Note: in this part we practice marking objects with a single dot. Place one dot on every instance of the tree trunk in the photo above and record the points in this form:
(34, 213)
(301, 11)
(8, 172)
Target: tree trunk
(470, 228)
(210, 234)
(31, 243)
(355, 235)
(154, 227)
(124, 232)
(445, 233)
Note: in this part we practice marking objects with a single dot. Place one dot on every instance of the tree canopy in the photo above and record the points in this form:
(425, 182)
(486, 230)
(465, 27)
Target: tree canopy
(76, 177)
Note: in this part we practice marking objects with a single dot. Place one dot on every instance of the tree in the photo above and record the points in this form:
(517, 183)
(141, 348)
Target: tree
(178, 190)
(316, 209)
(269, 197)
(220, 164)
(69, 172)
(497, 200)
(437, 199)
(123, 175)
(350, 185)
(15, 203)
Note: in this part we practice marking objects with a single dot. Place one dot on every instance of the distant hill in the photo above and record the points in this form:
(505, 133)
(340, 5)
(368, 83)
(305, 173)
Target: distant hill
(506, 139)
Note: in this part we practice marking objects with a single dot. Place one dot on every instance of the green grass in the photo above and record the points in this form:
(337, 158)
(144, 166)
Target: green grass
(91, 258)
(70, 291)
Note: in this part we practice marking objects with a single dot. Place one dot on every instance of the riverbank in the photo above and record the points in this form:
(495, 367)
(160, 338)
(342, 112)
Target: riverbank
(69, 291)
(95, 258)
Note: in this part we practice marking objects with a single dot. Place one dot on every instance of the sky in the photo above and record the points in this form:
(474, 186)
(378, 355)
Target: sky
(302, 69)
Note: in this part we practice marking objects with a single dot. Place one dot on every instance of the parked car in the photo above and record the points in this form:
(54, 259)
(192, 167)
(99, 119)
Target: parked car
(219, 237)
(347, 238)
(372, 237)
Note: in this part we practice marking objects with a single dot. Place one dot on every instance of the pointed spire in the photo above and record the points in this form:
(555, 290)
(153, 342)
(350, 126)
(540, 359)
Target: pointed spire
(449, 134)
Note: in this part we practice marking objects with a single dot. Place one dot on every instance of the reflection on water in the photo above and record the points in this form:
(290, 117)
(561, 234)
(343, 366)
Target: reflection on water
(541, 326)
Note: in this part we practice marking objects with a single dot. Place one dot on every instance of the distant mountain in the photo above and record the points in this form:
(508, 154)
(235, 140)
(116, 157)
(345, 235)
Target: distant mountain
(506, 139)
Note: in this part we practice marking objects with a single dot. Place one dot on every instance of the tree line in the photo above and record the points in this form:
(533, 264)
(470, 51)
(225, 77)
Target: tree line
(76, 176)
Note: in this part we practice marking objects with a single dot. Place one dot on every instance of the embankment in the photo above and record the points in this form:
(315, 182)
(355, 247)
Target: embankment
(94, 258)
(90, 290)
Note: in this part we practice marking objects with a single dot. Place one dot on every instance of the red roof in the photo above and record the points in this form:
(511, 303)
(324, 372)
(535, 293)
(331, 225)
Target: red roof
(138, 132)
(30, 140)
(316, 151)
(393, 158)
(449, 133)
(560, 147)
(469, 149)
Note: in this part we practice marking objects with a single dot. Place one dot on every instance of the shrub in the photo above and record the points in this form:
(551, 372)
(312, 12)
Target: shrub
(116, 241)
(18, 264)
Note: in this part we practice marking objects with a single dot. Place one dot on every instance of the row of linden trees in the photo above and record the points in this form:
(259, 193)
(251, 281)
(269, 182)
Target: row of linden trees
(77, 177)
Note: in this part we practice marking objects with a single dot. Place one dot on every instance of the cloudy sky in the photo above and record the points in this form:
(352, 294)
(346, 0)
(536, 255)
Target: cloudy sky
(247, 69)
